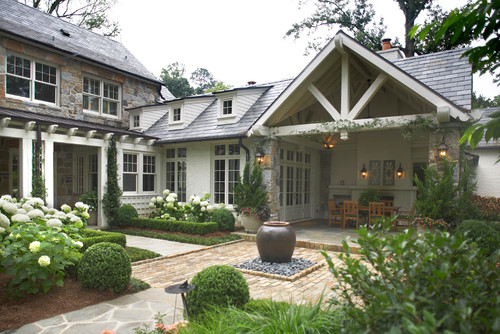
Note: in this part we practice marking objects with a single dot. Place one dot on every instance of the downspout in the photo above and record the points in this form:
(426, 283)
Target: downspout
(240, 142)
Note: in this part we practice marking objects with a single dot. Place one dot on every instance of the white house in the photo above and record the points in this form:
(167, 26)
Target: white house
(347, 111)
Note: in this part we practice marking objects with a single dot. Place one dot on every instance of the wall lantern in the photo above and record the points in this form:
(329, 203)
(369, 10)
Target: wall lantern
(259, 156)
(344, 135)
(400, 171)
(328, 142)
(442, 149)
(363, 172)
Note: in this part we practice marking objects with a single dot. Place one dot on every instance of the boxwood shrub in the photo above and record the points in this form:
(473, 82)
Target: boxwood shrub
(484, 235)
(125, 214)
(105, 266)
(224, 219)
(92, 237)
(173, 226)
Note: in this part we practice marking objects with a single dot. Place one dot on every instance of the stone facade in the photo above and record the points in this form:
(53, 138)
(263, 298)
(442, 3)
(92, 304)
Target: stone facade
(134, 92)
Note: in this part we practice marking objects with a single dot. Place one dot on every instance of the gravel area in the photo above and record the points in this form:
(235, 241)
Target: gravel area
(283, 269)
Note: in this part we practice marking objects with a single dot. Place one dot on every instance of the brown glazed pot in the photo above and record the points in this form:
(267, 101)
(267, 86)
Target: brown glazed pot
(276, 242)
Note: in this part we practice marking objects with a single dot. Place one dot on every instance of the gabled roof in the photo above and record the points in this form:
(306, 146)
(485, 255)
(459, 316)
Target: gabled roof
(38, 27)
(206, 127)
(342, 41)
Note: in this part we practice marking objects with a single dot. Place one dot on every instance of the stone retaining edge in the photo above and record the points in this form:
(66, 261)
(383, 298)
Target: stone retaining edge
(285, 278)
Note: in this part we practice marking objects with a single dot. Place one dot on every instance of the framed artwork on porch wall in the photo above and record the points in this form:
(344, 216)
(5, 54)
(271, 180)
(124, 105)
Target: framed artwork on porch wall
(374, 173)
(389, 168)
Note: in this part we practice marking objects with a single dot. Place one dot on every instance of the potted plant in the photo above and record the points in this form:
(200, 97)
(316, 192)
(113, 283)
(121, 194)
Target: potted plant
(90, 198)
(368, 196)
(250, 198)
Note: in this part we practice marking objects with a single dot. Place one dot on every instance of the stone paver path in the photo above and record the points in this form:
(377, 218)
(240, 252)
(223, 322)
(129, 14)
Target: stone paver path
(174, 270)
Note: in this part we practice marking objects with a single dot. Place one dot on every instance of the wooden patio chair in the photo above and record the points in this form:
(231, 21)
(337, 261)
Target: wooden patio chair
(375, 211)
(351, 212)
(334, 213)
(404, 218)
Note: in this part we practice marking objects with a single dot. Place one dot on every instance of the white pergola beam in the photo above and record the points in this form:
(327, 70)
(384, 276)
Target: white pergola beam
(72, 131)
(368, 96)
(344, 88)
(52, 128)
(324, 102)
(29, 125)
(4, 122)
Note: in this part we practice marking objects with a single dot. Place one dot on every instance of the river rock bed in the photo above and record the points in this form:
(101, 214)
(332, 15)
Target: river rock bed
(283, 269)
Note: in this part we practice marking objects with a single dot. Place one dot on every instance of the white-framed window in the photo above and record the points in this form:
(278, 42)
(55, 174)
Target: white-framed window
(101, 97)
(148, 173)
(226, 172)
(139, 173)
(130, 172)
(30, 79)
(227, 107)
(175, 114)
(136, 121)
(176, 167)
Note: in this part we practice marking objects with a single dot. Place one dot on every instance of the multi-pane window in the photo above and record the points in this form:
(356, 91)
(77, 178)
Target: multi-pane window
(79, 174)
(93, 172)
(30, 79)
(177, 114)
(136, 121)
(226, 172)
(100, 96)
(295, 178)
(176, 172)
(130, 172)
(148, 173)
(227, 107)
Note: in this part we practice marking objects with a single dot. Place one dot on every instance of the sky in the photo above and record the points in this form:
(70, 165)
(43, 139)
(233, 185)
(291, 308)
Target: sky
(236, 40)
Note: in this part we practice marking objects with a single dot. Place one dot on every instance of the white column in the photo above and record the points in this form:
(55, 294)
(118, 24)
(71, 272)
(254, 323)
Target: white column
(26, 159)
(103, 178)
(49, 172)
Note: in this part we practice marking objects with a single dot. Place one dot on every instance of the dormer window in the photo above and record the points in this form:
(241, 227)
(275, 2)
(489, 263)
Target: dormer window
(177, 114)
(227, 107)
(136, 121)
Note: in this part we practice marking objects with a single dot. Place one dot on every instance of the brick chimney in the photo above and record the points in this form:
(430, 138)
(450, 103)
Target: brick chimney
(386, 44)
(251, 83)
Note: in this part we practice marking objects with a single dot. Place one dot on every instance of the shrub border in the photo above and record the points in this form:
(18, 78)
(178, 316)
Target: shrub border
(172, 225)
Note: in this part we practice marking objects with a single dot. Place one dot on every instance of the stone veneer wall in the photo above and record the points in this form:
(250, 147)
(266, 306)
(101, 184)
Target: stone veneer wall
(135, 92)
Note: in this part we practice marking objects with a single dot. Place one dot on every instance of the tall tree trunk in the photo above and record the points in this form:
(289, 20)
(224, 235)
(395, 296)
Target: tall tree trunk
(411, 9)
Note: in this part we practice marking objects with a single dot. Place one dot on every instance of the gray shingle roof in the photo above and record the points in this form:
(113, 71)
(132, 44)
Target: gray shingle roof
(445, 72)
(32, 24)
(485, 117)
(205, 126)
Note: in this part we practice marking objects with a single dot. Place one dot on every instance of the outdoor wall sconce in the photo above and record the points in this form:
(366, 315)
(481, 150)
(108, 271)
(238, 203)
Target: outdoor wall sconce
(363, 172)
(259, 156)
(442, 149)
(328, 142)
(400, 171)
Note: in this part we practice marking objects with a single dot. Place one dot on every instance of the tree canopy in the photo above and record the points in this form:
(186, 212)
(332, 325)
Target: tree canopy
(89, 14)
(179, 86)
(358, 17)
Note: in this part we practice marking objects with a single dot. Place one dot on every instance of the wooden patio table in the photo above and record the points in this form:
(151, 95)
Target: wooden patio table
(365, 210)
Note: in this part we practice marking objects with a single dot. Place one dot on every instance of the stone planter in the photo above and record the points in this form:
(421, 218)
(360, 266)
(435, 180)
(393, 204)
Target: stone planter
(276, 242)
(251, 223)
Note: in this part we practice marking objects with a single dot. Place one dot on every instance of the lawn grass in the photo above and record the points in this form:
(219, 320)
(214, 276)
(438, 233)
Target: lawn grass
(139, 254)
(180, 238)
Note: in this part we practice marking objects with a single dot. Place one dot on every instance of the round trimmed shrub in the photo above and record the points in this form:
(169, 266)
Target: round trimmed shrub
(224, 219)
(217, 286)
(481, 233)
(105, 266)
(125, 214)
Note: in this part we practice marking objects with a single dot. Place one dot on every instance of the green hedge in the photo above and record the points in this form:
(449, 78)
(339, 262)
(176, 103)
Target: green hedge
(172, 226)
(92, 237)
(182, 238)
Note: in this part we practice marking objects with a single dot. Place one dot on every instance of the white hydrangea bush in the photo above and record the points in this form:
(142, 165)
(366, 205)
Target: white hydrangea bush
(37, 242)
(198, 209)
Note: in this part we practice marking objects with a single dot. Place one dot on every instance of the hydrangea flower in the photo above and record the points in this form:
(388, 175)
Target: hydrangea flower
(44, 261)
(159, 199)
(166, 192)
(4, 220)
(151, 205)
(35, 246)
(35, 213)
(2, 230)
(59, 215)
(26, 206)
(52, 211)
(81, 205)
(196, 200)
(65, 208)
(6, 197)
(78, 244)
(174, 195)
(153, 200)
(10, 208)
(85, 215)
(204, 203)
(54, 223)
(20, 218)
(170, 199)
